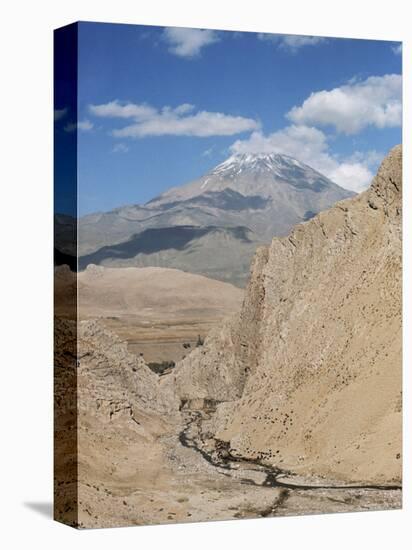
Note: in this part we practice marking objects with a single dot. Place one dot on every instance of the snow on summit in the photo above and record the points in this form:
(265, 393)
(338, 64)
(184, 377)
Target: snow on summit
(264, 174)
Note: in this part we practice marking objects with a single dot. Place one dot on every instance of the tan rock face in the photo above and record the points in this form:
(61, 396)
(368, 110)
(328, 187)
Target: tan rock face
(121, 416)
(316, 352)
(218, 370)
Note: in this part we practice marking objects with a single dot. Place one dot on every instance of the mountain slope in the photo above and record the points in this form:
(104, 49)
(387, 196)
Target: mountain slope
(151, 291)
(253, 174)
(216, 252)
(264, 194)
(310, 372)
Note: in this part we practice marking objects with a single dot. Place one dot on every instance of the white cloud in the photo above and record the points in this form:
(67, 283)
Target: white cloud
(376, 101)
(114, 109)
(82, 125)
(310, 145)
(188, 42)
(59, 114)
(180, 121)
(202, 124)
(208, 152)
(293, 141)
(85, 125)
(120, 148)
(292, 42)
(397, 49)
(354, 176)
(184, 108)
(371, 158)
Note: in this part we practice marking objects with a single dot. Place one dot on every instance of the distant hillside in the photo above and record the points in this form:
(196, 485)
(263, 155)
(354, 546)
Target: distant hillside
(163, 292)
(216, 252)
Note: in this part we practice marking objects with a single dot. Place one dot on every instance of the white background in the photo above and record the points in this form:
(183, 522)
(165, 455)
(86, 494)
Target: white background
(26, 270)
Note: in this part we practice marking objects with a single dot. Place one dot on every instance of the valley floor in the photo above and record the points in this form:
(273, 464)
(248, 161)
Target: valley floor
(199, 481)
(139, 466)
(168, 339)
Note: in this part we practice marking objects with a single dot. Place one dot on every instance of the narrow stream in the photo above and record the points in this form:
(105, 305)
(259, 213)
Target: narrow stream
(272, 475)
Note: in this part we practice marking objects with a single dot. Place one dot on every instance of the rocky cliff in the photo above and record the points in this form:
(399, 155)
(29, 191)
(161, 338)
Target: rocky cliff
(310, 373)
(112, 447)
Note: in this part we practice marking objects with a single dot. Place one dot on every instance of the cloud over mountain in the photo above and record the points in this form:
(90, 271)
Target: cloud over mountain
(349, 109)
(376, 101)
(310, 145)
(179, 121)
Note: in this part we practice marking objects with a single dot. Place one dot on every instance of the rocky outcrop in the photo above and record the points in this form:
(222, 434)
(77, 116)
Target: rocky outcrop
(108, 374)
(210, 372)
(108, 435)
(218, 370)
(310, 372)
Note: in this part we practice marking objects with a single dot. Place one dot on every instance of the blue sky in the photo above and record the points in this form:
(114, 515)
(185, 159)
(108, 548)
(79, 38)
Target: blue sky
(159, 107)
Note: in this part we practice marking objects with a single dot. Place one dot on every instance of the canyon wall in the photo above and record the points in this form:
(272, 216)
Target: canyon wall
(309, 375)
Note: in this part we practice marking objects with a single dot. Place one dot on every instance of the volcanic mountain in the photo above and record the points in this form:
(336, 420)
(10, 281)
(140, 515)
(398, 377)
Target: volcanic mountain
(212, 225)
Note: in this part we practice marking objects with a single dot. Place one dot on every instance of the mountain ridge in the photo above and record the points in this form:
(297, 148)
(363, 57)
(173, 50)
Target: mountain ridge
(280, 168)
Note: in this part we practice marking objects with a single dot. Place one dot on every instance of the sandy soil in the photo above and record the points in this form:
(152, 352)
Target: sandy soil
(169, 339)
(161, 313)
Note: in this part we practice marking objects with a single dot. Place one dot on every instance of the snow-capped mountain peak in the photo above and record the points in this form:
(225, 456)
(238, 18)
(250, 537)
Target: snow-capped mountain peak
(256, 162)
(273, 176)
(213, 224)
